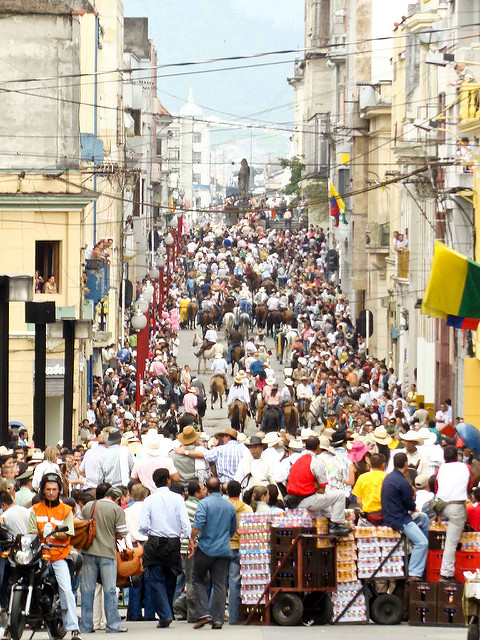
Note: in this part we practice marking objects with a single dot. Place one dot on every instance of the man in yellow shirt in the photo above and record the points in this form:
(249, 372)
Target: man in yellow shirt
(368, 491)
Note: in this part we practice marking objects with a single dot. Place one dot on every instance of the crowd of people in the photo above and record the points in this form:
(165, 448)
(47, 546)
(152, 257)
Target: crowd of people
(332, 427)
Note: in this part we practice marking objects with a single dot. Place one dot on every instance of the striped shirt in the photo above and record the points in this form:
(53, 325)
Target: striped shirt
(227, 458)
(191, 504)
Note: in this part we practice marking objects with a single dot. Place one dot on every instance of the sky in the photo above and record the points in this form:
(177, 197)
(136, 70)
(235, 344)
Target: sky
(190, 30)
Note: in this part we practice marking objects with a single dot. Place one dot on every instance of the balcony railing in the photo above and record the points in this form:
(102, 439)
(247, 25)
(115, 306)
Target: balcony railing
(403, 261)
(98, 279)
(469, 107)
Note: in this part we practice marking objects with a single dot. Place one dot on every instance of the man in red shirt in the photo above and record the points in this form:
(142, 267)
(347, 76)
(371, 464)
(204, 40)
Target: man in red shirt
(307, 489)
(473, 510)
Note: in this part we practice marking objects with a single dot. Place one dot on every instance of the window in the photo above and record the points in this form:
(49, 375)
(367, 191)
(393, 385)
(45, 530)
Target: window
(197, 178)
(136, 115)
(197, 138)
(197, 157)
(47, 260)
(174, 153)
(175, 133)
(159, 147)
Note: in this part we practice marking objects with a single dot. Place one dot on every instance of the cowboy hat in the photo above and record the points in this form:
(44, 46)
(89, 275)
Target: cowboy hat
(411, 436)
(302, 361)
(242, 438)
(254, 442)
(381, 436)
(288, 382)
(325, 444)
(154, 444)
(130, 437)
(242, 373)
(114, 437)
(295, 445)
(188, 435)
(271, 439)
(358, 451)
(260, 332)
(270, 380)
(338, 438)
(238, 379)
(427, 436)
(192, 390)
(306, 433)
(228, 432)
(288, 372)
(4, 451)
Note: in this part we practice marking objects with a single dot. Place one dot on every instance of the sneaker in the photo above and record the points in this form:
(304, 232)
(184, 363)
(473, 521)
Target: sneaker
(76, 635)
(339, 530)
(450, 579)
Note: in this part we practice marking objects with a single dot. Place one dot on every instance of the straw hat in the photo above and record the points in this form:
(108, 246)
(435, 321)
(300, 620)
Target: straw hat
(325, 444)
(188, 435)
(270, 380)
(381, 436)
(427, 436)
(238, 379)
(271, 439)
(154, 444)
(296, 446)
(229, 432)
(412, 436)
(306, 433)
(288, 382)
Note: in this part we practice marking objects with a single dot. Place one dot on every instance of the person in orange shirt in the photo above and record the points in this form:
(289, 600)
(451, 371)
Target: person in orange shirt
(45, 517)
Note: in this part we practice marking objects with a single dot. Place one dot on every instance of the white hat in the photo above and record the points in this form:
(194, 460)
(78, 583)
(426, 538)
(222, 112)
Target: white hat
(288, 372)
(241, 437)
(296, 445)
(128, 415)
(427, 436)
(302, 361)
(325, 444)
(288, 382)
(411, 436)
(270, 380)
(271, 439)
(154, 444)
(306, 433)
(381, 435)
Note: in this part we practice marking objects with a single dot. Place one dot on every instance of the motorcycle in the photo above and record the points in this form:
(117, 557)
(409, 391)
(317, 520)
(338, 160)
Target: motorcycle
(34, 597)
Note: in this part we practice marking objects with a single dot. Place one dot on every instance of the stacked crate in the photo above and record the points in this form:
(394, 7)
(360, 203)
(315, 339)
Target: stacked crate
(435, 604)
(373, 545)
(254, 532)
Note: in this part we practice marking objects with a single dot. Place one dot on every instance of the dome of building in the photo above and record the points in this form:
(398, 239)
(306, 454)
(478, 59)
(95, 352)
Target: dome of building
(190, 109)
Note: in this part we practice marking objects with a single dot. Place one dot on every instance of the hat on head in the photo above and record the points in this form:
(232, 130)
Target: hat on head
(295, 445)
(153, 443)
(411, 436)
(339, 437)
(242, 438)
(255, 441)
(242, 373)
(288, 372)
(288, 382)
(189, 435)
(358, 451)
(325, 444)
(238, 379)
(128, 415)
(307, 432)
(192, 390)
(260, 332)
(270, 380)
(4, 451)
(427, 436)
(381, 436)
(129, 436)
(114, 437)
(421, 480)
(25, 476)
(302, 361)
(229, 432)
(271, 439)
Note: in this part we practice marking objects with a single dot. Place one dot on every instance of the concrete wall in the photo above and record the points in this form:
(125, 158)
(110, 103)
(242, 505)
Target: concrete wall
(35, 116)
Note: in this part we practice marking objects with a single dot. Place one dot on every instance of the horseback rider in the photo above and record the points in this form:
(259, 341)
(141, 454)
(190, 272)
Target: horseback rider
(235, 340)
(219, 367)
(261, 296)
(210, 340)
(228, 307)
(238, 391)
(272, 398)
(245, 306)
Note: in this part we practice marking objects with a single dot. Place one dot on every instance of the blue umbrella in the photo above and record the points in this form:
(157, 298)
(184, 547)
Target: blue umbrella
(470, 435)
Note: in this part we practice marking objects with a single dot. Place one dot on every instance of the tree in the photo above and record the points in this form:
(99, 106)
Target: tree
(296, 167)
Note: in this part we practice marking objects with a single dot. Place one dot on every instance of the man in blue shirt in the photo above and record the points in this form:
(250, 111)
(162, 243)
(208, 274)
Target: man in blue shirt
(397, 506)
(164, 519)
(215, 523)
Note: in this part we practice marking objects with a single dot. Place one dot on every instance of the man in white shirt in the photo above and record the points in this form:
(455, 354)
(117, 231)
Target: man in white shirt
(253, 470)
(91, 464)
(441, 417)
(209, 341)
(453, 480)
(14, 518)
(273, 303)
(238, 391)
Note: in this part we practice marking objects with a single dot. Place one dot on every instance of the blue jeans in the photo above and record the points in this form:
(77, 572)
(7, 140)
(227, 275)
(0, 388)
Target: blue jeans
(67, 599)
(234, 583)
(162, 587)
(167, 385)
(107, 568)
(135, 600)
(417, 533)
(180, 583)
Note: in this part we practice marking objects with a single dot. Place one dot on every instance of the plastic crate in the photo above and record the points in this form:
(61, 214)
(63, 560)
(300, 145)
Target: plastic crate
(282, 538)
(436, 540)
(422, 613)
(450, 594)
(258, 616)
(448, 614)
(423, 593)
(434, 562)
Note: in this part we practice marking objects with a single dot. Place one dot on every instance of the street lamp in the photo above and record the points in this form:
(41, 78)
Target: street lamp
(138, 321)
(161, 262)
(179, 215)
(17, 288)
(141, 304)
(140, 325)
(70, 330)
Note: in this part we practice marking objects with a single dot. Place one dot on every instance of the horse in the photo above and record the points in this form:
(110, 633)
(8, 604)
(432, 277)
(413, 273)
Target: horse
(274, 318)
(237, 413)
(192, 315)
(201, 399)
(290, 338)
(215, 315)
(229, 322)
(253, 281)
(205, 320)
(244, 324)
(315, 412)
(271, 419)
(291, 418)
(288, 316)
(261, 316)
(236, 355)
(269, 285)
(217, 389)
(208, 354)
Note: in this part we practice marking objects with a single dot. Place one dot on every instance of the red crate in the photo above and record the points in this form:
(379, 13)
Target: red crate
(464, 561)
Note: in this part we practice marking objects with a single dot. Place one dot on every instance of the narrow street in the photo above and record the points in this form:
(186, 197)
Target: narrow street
(217, 419)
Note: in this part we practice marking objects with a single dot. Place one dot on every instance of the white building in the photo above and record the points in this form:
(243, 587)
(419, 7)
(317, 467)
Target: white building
(189, 156)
